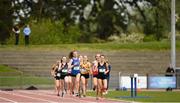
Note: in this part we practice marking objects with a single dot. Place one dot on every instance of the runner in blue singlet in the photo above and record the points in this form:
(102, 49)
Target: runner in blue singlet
(74, 64)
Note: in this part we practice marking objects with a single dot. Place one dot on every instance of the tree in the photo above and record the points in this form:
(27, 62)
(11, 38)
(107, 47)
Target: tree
(96, 18)
(5, 20)
(161, 12)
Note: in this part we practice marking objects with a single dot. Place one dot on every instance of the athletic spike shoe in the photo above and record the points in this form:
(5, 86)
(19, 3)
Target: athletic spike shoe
(94, 88)
(103, 93)
(77, 94)
(62, 95)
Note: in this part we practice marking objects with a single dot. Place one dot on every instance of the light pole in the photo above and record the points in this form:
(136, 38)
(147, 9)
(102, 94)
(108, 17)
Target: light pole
(173, 35)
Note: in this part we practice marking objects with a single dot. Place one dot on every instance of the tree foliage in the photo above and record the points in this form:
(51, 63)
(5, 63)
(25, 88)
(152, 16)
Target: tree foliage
(96, 18)
(5, 20)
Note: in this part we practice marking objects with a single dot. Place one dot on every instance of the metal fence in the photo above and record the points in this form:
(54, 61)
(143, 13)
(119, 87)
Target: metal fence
(11, 80)
(14, 80)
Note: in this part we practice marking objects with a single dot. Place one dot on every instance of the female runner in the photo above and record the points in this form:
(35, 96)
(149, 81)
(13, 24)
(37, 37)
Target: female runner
(56, 74)
(64, 72)
(95, 71)
(102, 76)
(74, 64)
(85, 71)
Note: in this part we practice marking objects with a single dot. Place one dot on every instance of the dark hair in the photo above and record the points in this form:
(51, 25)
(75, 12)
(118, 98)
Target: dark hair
(102, 55)
(71, 54)
(62, 58)
(16, 28)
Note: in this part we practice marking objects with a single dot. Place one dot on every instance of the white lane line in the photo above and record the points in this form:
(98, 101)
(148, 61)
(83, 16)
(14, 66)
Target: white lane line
(45, 100)
(90, 97)
(6, 99)
(87, 101)
(48, 95)
(74, 99)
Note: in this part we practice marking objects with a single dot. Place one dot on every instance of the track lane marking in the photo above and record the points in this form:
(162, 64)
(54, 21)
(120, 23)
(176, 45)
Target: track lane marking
(74, 99)
(45, 100)
(6, 99)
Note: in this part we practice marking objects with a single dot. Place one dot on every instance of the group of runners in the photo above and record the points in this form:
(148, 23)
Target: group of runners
(72, 74)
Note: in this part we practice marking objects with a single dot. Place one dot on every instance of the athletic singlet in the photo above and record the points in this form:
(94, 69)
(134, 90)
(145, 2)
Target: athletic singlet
(76, 63)
(101, 68)
(64, 69)
(95, 72)
(109, 67)
(85, 68)
(57, 72)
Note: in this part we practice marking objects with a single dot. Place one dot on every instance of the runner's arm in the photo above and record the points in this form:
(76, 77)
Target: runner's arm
(70, 64)
(53, 70)
(89, 68)
(107, 69)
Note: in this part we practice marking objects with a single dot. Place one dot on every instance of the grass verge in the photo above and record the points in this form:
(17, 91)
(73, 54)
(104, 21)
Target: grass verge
(153, 96)
(13, 78)
(163, 45)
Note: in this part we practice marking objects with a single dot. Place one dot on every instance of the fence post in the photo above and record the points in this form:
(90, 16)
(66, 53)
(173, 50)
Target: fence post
(147, 80)
(0, 81)
(119, 80)
(91, 84)
(132, 94)
(135, 86)
(21, 80)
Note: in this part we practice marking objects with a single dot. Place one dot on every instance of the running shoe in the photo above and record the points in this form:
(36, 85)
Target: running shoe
(75, 94)
(62, 94)
(94, 88)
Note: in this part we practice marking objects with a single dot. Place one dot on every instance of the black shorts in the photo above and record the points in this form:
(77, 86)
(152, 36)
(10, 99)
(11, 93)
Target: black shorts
(72, 75)
(57, 77)
(69, 74)
(62, 76)
(95, 76)
(102, 76)
(85, 75)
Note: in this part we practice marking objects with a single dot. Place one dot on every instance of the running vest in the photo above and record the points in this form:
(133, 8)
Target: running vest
(85, 68)
(76, 63)
(64, 70)
(57, 72)
(95, 72)
(101, 68)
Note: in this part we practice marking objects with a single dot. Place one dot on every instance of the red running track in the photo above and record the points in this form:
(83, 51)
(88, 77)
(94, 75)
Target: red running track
(45, 96)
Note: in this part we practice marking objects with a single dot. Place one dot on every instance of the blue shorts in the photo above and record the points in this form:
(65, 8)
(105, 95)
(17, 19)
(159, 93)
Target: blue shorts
(75, 72)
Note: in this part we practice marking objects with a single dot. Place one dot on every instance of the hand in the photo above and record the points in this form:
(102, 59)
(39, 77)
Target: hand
(53, 74)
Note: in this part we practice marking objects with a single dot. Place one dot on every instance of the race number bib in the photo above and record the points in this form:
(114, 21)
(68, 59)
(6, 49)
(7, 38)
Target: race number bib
(102, 70)
(64, 70)
(58, 74)
(76, 68)
(83, 70)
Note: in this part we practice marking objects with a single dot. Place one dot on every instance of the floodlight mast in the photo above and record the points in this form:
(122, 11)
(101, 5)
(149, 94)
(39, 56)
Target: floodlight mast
(173, 35)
